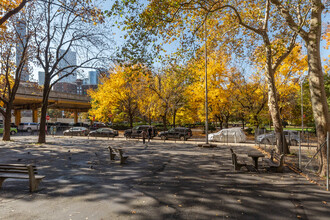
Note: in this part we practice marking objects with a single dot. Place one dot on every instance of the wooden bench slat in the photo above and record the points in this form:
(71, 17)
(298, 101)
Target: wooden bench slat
(17, 171)
(14, 168)
(16, 165)
(20, 171)
(20, 176)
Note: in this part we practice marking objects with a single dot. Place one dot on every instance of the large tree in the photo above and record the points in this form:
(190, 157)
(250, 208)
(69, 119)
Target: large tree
(293, 12)
(118, 97)
(14, 46)
(251, 95)
(232, 24)
(62, 27)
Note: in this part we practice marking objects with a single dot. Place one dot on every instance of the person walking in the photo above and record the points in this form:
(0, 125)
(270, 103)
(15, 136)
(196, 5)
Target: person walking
(144, 135)
(149, 133)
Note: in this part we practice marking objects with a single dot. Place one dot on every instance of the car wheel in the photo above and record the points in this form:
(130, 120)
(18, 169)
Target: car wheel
(12, 132)
(163, 137)
(182, 138)
(29, 130)
(294, 143)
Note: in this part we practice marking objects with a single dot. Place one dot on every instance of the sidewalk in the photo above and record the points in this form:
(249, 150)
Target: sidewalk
(160, 181)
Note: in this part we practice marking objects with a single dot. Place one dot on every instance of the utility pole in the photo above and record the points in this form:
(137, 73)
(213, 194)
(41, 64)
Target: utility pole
(302, 107)
(206, 103)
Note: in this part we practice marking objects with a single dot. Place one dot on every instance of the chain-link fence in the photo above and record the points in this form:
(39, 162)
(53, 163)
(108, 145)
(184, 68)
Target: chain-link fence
(304, 151)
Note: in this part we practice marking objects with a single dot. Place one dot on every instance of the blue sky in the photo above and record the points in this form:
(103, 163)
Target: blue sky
(118, 36)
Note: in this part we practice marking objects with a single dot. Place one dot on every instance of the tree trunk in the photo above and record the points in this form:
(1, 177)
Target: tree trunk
(130, 118)
(317, 89)
(226, 121)
(220, 122)
(42, 128)
(281, 144)
(316, 77)
(255, 117)
(174, 116)
(164, 121)
(7, 121)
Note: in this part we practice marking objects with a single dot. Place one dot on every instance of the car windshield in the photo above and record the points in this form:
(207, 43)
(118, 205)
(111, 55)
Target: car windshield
(171, 130)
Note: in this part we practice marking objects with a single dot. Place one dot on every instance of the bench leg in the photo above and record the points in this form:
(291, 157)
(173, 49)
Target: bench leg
(123, 160)
(34, 184)
(1, 181)
(112, 156)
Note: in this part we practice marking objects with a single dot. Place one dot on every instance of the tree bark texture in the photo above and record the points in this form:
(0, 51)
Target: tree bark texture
(317, 89)
(312, 39)
(42, 129)
(275, 114)
(7, 121)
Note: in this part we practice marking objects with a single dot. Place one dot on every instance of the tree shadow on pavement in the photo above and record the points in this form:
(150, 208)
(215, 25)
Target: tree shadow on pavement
(161, 181)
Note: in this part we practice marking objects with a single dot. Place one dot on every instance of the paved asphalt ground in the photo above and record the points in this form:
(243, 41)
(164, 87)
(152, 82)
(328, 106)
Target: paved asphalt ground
(159, 181)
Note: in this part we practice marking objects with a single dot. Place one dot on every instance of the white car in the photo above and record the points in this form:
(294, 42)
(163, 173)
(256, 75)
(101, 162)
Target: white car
(30, 126)
(232, 135)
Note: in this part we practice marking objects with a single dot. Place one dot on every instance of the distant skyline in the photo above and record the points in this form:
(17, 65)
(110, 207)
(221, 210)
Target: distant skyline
(70, 59)
(21, 31)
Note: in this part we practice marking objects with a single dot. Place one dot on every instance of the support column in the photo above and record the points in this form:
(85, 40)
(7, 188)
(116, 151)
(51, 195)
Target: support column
(75, 116)
(35, 115)
(17, 117)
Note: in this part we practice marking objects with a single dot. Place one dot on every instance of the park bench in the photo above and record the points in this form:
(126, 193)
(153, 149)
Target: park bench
(273, 166)
(20, 171)
(120, 152)
(237, 165)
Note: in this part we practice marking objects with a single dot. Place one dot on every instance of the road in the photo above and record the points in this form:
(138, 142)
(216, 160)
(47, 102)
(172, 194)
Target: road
(160, 181)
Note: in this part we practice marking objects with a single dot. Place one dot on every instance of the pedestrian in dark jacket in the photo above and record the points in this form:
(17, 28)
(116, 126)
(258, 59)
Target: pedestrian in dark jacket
(144, 135)
(149, 133)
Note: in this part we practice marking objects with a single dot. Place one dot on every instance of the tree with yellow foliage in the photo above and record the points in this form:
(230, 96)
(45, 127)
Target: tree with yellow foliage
(9, 8)
(250, 92)
(169, 86)
(118, 96)
(218, 96)
(232, 24)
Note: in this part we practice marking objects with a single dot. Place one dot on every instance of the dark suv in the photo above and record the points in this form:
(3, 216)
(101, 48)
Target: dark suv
(181, 133)
(136, 131)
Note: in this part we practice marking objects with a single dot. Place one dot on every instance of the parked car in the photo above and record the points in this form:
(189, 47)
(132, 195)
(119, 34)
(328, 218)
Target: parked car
(76, 131)
(136, 131)
(97, 125)
(292, 137)
(61, 126)
(233, 135)
(13, 125)
(80, 124)
(103, 132)
(181, 133)
(13, 130)
(30, 126)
